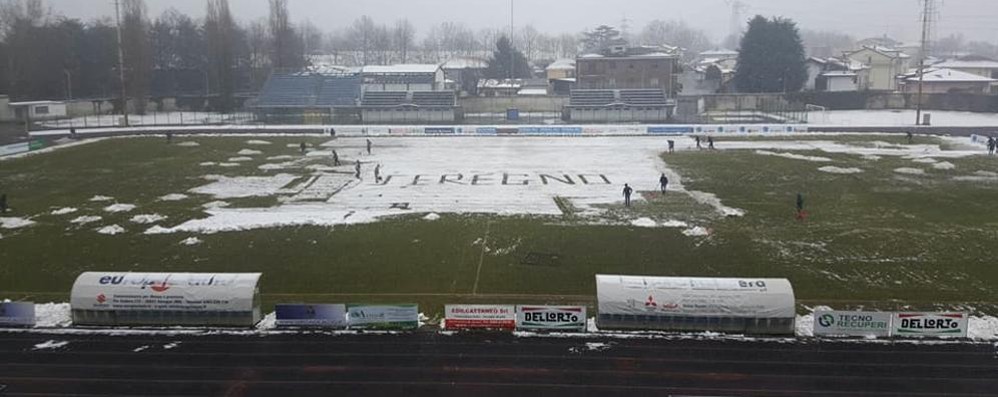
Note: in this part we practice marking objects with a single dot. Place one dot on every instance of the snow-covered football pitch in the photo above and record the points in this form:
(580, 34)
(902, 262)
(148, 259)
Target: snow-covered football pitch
(449, 219)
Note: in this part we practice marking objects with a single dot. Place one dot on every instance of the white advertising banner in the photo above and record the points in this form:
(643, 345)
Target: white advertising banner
(480, 317)
(403, 316)
(851, 323)
(551, 318)
(122, 291)
(932, 325)
(695, 297)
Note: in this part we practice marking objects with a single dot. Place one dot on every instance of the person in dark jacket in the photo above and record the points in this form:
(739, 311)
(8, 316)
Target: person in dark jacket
(357, 168)
(672, 146)
(336, 158)
(627, 195)
(710, 142)
(302, 147)
(369, 147)
(698, 142)
(664, 182)
(800, 207)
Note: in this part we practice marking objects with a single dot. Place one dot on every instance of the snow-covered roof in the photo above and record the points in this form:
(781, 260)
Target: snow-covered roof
(34, 103)
(839, 73)
(715, 53)
(957, 64)
(401, 69)
(655, 55)
(592, 56)
(562, 64)
(951, 76)
(533, 91)
(466, 63)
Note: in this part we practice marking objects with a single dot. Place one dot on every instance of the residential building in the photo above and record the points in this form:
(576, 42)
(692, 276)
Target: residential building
(948, 81)
(561, 69)
(884, 65)
(839, 81)
(462, 74)
(983, 67)
(623, 67)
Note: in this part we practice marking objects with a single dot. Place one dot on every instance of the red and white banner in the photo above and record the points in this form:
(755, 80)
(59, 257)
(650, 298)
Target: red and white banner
(480, 317)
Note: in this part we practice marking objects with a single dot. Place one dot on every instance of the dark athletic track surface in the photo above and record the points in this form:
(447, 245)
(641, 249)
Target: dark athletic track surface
(478, 365)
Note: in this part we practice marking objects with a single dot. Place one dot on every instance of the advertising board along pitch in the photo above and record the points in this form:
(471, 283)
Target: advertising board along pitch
(551, 318)
(480, 317)
(852, 323)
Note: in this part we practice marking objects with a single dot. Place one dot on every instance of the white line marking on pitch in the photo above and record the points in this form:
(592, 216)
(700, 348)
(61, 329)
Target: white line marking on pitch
(481, 258)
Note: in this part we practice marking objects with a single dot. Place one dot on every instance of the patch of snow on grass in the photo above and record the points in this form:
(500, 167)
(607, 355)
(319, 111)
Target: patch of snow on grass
(696, 231)
(249, 152)
(116, 208)
(945, 165)
(189, 144)
(871, 157)
(215, 204)
(249, 186)
(15, 223)
(257, 142)
(712, 200)
(643, 222)
(924, 160)
(170, 346)
(795, 156)
(674, 223)
(239, 159)
(839, 170)
(64, 211)
(174, 197)
(111, 230)
(431, 216)
(208, 164)
(83, 220)
(987, 173)
(281, 157)
(910, 171)
(268, 322)
(147, 218)
(191, 241)
(140, 348)
(228, 165)
(99, 198)
(52, 344)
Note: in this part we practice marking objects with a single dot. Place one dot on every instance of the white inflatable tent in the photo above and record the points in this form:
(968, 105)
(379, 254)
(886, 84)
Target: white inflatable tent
(166, 299)
(732, 305)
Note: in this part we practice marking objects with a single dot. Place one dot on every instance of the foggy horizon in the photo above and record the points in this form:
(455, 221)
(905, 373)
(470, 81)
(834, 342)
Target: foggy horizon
(898, 19)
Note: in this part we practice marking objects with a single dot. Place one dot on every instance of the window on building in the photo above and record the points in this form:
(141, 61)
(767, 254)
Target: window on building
(42, 110)
(653, 82)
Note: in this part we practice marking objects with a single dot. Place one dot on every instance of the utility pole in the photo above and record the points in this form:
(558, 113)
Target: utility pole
(927, 19)
(512, 48)
(121, 62)
(737, 7)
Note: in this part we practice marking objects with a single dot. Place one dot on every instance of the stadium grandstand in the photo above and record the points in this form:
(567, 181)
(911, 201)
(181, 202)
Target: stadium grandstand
(637, 105)
(397, 107)
(307, 98)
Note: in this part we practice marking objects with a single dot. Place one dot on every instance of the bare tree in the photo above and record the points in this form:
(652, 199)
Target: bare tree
(138, 53)
(676, 33)
(287, 45)
(361, 37)
(529, 40)
(403, 36)
(220, 32)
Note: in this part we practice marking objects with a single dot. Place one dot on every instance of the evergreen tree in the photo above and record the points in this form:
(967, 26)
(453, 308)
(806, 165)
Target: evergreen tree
(602, 38)
(771, 57)
(500, 63)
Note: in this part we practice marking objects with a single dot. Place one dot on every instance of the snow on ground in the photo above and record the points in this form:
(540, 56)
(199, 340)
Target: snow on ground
(99, 198)
(431, 217)
(924, 160)
(52, 315)
(64, 211)
(215, 204)
(249, 152)
(488, 175)
(885, 118)
(239, 159)
(248, 186)
(174, 197)
(191, 241)
(170, 346)
(146, 219)
(257, 142)
(871, 157)
(111, 230)
(115, 208)
(794, 156)
(228, 165)
(52, 344)
(83, 220)
(643, 222)
(839, 170)
(945, 165)
(15, 223)
(208, 164)
(281, 157)
(910, 171)
(189, 144)
(696, 231)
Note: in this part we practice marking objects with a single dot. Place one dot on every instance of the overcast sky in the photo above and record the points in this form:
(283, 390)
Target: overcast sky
(976, 19)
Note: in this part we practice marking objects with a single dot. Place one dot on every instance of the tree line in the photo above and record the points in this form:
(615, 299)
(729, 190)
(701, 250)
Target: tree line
(47, 56)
